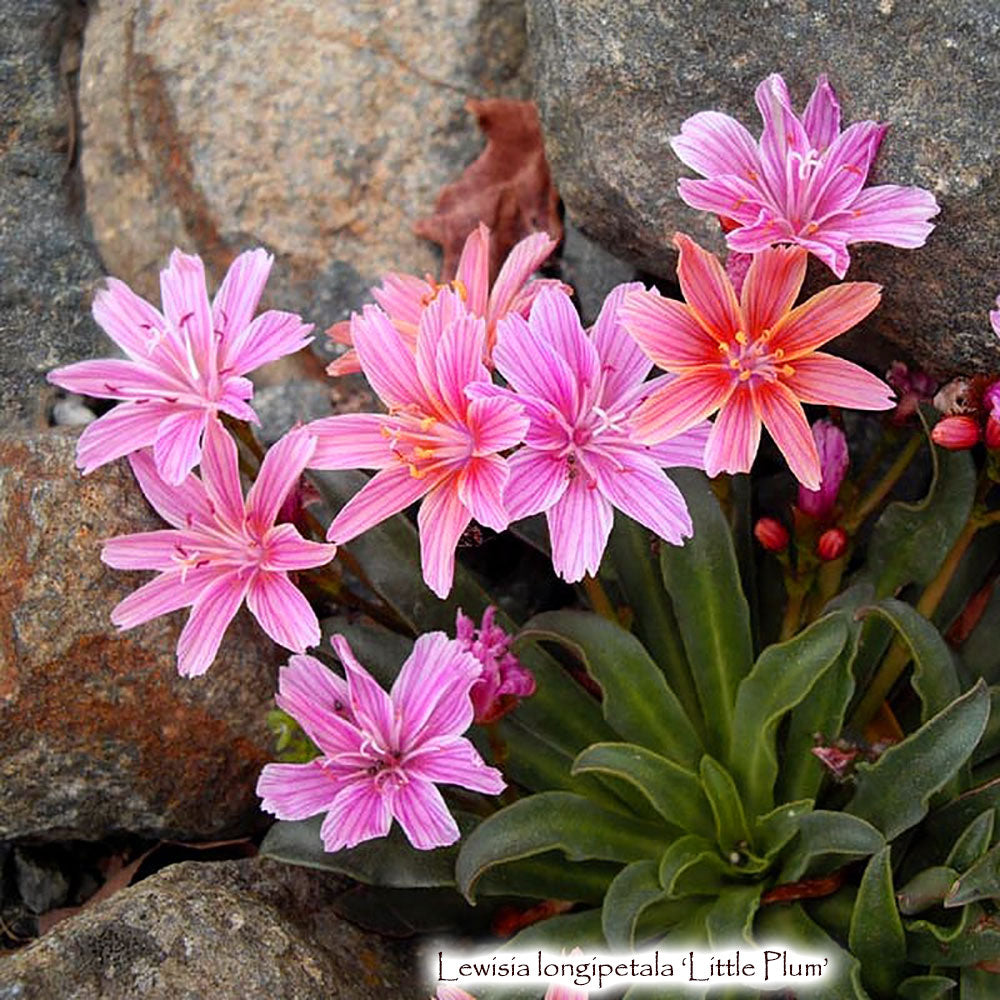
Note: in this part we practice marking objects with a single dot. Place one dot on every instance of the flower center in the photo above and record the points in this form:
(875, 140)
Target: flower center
(748, 359)
(426, 443)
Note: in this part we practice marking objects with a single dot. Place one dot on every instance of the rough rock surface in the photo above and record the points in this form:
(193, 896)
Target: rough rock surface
(98, 733)
(47, 266)
(230, 930)
(614, 81)
(322, 131)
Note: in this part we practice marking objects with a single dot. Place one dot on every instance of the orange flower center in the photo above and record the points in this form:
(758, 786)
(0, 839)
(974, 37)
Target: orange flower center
(754, 358)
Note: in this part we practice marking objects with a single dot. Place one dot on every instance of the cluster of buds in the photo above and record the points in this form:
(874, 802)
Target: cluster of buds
(971, 409)
(815, 509)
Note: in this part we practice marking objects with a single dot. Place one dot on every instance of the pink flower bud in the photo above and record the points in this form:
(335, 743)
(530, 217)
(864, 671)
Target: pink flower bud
(993, 433)
(955, 433)
(771, 534)
(831, 544)
(838, 761)
(831, 444)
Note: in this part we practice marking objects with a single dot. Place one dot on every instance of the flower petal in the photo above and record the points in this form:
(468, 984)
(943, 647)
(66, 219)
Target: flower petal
(270, 336)
(350, 441)
(623, 363)
(481, 484)
(707, 289)
(296, 791)
(822, 378)
(667, 331)
(455, 761)
(713, 143)
(373, 709)
(523, 260)
(686, 449)
(182, 505)
(735, 437)
(537, 480)
(683, 402)
(318, 700)
(532, 367)
(220, 473)
(786, 423)
(236, 300)
(771, 286)
(442, 519)
(360, 812)
(282, 612)
(423, 815)
(213, 610)
(163, 594)
(556, 323)
(130, 321)
(385, 494)
(821, 119)
(826, 315)
(474, 269)
(496, 423)
(113, 378)
(459, 362)
(890, 214)
(844, 169)
(783, 143)
(288, 550)
(279, 472)
(579, 526)
(403, 297)
(144, 550)
(177, 448)
(727, 195)
(185, 304)
(122, 430)
(386, 359)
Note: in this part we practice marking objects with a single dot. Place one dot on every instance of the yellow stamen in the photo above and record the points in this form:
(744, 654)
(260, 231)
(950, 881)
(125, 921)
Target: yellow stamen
(734, 364)
(741, 337)
(778, 353)
(788, 371)
(416, 473)
(423, 452)
(427, 423)
(459, 286)
(724, 348)
(744, 376)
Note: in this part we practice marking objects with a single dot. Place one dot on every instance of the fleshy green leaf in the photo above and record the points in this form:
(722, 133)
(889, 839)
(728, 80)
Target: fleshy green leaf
(829, 837)
(893, 793)
(934, 676)
(782, 676)
(731, 829)
(703, 580)
(691, 865)
(926, 889)
(975, 939)
(730, 921)
(637, 704)
(978, 984)
(876, 936)
(980, 653)
(553, 821)
(925, 988)
(674, 792)
(547, 876)
(909, 541)
(633, 890)
(974, 841)
(387, 861)
(989, 745)
(981, 881)
(775, 829)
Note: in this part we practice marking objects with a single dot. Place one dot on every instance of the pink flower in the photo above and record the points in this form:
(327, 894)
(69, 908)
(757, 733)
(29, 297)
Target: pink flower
(558, 991)
(503, 681)
(831, 444)
(382, 754)
(580, 458)
(912, 388)
(434, 443)
(221, 550)
(184, 365)
(754, 359)
(404, 297)
(803, 182)
(452, 993)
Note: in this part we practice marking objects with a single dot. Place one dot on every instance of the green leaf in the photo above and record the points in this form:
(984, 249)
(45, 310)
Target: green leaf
(553, 821)
(934, 676)
(989, 745)
(876, 936)
(975, 939)
(792, 926)
(673, 791)
(730, 920)
(980, 653)
(637, 704)
(636, 887)
(909, 541)
(547, 876)
(829, 837)
(405, 912)
(978, 984)
(981, 881)
(637, 568)
(893, 793)
(731, 829)
(925, 988)
(703, 580)
(782, 676)
(691, 866)
(926, 889)
(775, 829)
(387, 861)
(974, 841)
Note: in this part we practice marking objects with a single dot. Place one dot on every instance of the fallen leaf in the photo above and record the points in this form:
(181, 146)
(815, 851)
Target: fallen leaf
(508, 187)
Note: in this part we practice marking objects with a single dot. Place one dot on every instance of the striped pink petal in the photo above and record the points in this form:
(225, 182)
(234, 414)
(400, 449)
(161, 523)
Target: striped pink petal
(270, 336)
(891, 214)
(555, 322)
(351, 441)
(786, 423)
(496, 423)
(713, 143)
(282, 612)
(279, 472)
(821, 119)
(826, 315)
(371, 707)
(726, 195)
(532, 367)
(122, 430)
(523, 260)
(735, 436)
(113, 378)
(181, 505)
(130, 321)
(403, 296)
(687, 449)
(459, 362)
(823, 378)
(318, 700)
(474, 269)
(579, 526)
(423, 815)
(386, 359)
(771, 286)
(707, 289)
(213, 610)
(239, 294)
(288, 550)
(163, 594)
(185, 305)
(623, 363)
(358, 813)
(220, 472)
(684, 402)
(296, 791)
(784, 144)
(387, 493)
(455, 761)
(844, 170)
(146, 550)
(667, 331)
(537, 480)
(480, 486)
(177, 448)
(442, 520)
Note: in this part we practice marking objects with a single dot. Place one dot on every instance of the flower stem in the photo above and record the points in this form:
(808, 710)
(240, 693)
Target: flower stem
(885, 485)
(599, 599)
(899, 653)
(793, 610)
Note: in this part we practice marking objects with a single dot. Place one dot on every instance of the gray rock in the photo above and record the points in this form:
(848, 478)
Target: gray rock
(322, 131)
(615, 80)
(591, 270)
(281, 407)
(232, 930)
(47, 266)
(41, 884)
(98, 732)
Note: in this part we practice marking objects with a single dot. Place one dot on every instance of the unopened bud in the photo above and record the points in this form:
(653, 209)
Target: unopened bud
(838, 760)
(993, 433)
(831, 544)
(955, 433)
(771, 534)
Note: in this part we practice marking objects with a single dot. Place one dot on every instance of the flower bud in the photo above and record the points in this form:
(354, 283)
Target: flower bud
(955, 433)
(831, 445)
(831, 544)
(771, 534)
(993, 433)
(838, 760)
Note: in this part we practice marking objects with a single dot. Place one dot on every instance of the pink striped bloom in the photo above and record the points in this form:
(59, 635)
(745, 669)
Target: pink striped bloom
(183, 365)
(831, 445)
(802, 183)
(404, 297)
(580, 459)
(754, 359)
(991, 397)
(221, 550)
(434, 443)
(382, 754)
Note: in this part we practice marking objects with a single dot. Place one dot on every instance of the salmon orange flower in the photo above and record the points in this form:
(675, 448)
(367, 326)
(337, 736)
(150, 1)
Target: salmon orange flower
(754, 359)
